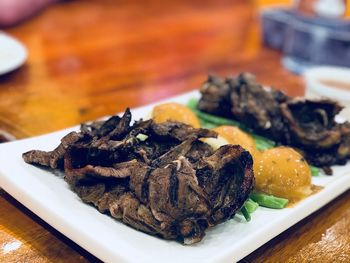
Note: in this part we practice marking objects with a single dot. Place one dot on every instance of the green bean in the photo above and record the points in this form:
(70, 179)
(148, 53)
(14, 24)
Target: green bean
(269, 201)
(245, 213)
(207, 125)
(215, 119)
(192, 103)
(262, 143)
(314, 170)
(251, 206)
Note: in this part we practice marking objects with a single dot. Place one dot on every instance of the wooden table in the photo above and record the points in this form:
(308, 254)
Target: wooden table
(92, 58)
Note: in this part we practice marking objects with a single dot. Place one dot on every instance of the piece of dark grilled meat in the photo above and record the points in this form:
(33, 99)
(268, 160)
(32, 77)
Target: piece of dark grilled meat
(308, 125)
(158, 178)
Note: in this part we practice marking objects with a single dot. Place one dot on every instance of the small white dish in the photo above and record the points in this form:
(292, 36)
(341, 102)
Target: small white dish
(13, 53)
(329, 82)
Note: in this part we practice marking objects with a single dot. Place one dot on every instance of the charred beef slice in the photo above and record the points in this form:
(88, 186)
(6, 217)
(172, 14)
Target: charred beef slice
(170, 184)
(308, 125)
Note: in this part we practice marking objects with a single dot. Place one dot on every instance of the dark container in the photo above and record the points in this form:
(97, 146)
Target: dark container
(306, 41)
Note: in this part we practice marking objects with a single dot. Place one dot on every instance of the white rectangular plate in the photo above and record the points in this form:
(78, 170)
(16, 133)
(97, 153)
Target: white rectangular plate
(49, 196)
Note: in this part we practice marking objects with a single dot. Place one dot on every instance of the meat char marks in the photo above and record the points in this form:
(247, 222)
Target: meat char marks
(308, 125)
(158, 178)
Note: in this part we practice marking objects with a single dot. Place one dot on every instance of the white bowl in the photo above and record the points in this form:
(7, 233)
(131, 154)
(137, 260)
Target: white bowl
(12, 53)
(316, 86)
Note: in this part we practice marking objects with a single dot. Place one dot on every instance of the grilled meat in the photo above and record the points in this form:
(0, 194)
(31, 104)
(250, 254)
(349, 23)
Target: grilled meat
(169, 183)
(308, 125)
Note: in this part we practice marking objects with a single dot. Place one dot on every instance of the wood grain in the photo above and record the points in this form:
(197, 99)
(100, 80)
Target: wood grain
(93, 58)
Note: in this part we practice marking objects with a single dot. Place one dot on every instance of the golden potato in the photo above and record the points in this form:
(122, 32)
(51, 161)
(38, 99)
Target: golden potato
(283, 172)
(174, 112)
(235, 135)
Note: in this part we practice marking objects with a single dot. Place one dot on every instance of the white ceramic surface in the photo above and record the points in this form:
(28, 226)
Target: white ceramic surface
(48, 196)
(12, 53)
(316, 89)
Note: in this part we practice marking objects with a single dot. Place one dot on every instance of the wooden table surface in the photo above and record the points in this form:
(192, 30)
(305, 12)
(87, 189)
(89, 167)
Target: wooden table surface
(92, 58)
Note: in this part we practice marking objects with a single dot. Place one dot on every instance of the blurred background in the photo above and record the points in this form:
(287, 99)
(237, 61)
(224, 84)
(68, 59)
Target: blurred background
(87, 59)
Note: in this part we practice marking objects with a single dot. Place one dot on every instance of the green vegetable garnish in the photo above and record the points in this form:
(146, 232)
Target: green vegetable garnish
(251, 206)
(245, 213)
(269, 201)
(207, 125)
(314, 170)
(248, 208)
(218, 121)
(262, 143)
(192, 103)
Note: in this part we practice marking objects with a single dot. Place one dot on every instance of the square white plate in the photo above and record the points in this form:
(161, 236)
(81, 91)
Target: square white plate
(49, 196)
